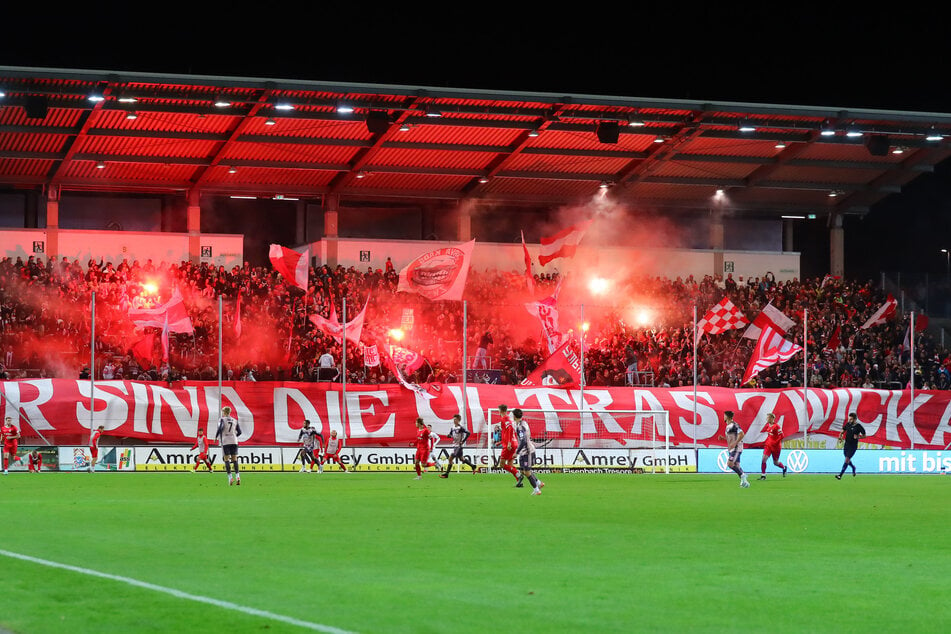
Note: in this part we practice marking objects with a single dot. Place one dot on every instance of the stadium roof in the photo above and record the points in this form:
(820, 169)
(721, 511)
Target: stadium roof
(139, 132)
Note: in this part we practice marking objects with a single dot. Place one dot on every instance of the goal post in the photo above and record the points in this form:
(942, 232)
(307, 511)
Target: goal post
(559, 433)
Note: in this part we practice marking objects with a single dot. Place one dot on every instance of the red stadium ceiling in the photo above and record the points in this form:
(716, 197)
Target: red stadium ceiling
(219, 136)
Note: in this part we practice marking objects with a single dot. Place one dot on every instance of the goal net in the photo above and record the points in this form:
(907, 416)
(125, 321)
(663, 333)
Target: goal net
(558, 434)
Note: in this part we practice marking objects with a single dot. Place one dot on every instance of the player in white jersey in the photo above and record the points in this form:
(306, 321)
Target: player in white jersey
(433, 442)
(734, 446)
(227, 437)
(458, 434)
(526, 451)
(332, 451)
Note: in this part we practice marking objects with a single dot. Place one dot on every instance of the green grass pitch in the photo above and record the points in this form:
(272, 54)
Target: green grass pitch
(382, 552)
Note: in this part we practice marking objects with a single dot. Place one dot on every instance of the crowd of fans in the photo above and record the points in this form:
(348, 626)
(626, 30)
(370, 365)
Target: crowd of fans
(46, 316)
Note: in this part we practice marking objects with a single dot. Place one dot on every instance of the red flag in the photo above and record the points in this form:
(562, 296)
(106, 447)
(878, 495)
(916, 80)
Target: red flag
(921, 322)
(835, 340)
(291, 264)
(723, 316)
(439, 274)
(172, 315)
(528, 267)
(563, 244)
(142, 350)
(883, 314)
(771, 348)
(562, 369)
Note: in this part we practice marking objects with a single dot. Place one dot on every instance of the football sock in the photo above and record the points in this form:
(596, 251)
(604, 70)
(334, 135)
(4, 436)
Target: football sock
(235, 465)
(780, 465)
(533, 480)
(853, 468)
(763, 468)
(228, 468)
(419, 471)
(843, 468)
(737, 470)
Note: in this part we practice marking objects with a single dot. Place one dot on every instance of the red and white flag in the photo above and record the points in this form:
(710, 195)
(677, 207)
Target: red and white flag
(333, 328)
(835, 340)
(563, 244)
(171, 315)
(407, 358)
(371, 356)
(529, 280)
(440, 274)
(562, 369)
(771, 317)
(292, 264)
(724, 316)
(883, 314)
(771, 348)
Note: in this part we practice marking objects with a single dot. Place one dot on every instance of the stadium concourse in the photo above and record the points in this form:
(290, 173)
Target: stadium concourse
(45, 319)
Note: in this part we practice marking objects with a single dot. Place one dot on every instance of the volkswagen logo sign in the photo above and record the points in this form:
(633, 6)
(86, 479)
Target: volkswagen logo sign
(722, 459)
(797, 461)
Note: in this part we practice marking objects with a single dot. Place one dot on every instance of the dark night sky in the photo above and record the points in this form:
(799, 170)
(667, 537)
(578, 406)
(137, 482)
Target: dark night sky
(806, 56)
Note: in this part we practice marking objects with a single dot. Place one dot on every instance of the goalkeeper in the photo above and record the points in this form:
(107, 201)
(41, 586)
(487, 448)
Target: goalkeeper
(459, 435)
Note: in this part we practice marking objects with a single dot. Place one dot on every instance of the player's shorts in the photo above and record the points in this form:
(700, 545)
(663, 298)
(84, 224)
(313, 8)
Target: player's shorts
(94, 452)
(456, 453)
(203, 456)
(849, 450)
(734, 456)
(422, 455)
(526, 460)
(229, 450)
(335, 457)
(772, 451)
(10, 446)
(507, 454)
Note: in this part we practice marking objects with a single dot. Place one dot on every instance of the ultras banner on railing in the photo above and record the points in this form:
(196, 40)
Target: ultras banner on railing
(272, 412)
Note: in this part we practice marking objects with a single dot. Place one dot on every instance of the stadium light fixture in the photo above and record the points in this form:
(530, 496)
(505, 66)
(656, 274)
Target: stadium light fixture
(898, 149)
(283, 105)
(131, 115)
(635, 122)
(361, 174)
(533, 133)
(780, 145)
(934, 135)
(95, 97)
(793, 217)
(232, 170)
(124, 98)
(343, 107)
(3, 93)
(746, 126)
(404, 127)
(101, 165)
(432, 111)
(221, 101)
(827, 129)
(483, 179)
(853, 132)
(269, 121)
(604, 185)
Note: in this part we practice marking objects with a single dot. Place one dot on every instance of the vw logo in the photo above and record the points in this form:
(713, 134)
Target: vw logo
(722, 459)
(797, 461)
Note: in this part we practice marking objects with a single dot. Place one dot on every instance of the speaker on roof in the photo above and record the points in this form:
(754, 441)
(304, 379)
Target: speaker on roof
(378, 122)
(608, 131)
(877, 145)
(36, 107)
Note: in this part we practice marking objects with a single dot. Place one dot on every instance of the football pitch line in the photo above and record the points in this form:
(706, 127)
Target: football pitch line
(227, 605)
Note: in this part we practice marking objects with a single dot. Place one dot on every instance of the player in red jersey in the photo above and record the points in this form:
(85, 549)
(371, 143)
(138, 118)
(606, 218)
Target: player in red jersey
(507, 431)
(201, 444)
(773, 446)
(94, 448)
(35, 459)
(422, 448)
(11, 438)
(332, 451)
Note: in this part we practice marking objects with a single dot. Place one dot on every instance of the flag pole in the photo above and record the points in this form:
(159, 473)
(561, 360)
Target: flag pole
(581, 404)
(465, 371)
(911, 404)
(343, 366)
(220, 355)
(805, 374)
(694, 377)
(92, 364)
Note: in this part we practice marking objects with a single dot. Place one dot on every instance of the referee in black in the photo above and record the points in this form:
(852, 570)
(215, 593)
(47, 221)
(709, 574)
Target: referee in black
(852, 432)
